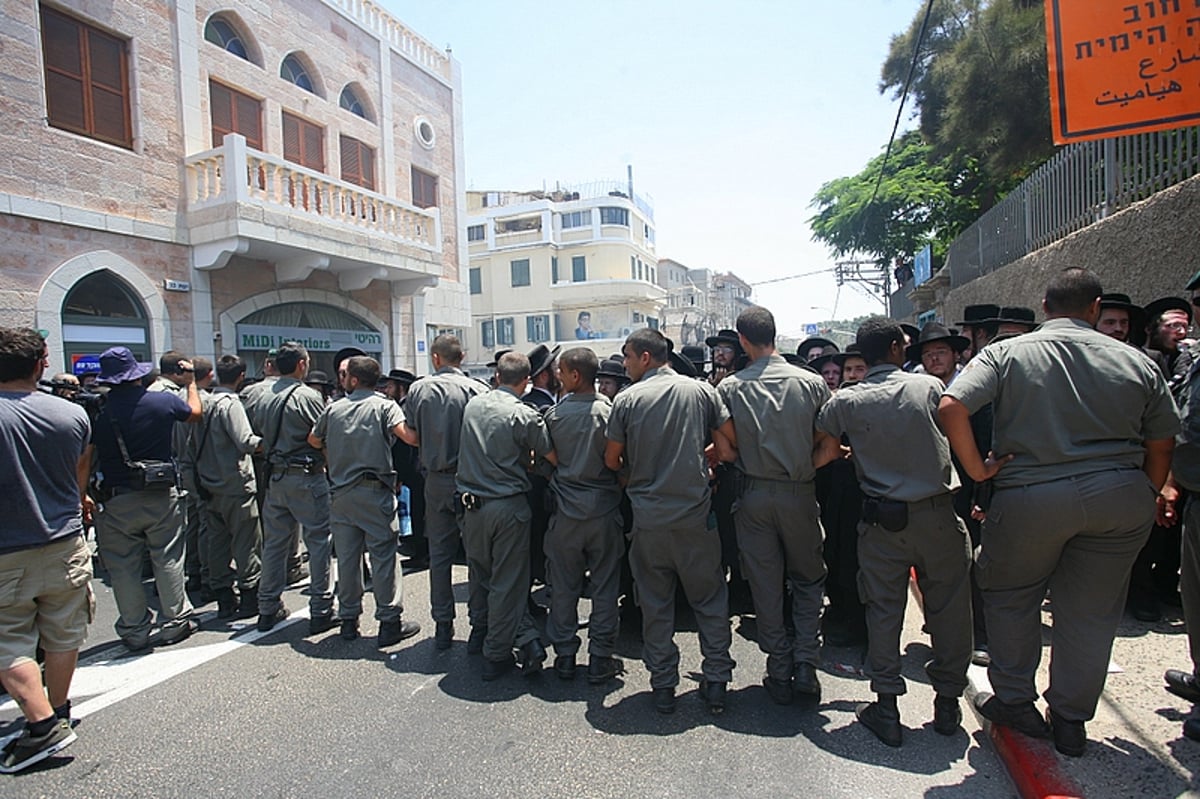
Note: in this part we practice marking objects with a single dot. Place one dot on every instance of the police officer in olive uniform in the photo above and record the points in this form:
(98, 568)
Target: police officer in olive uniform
(774, 406)
(660, 427)
(903, 463)
(584, 543)
(297, 491)
(220, 450)
(499, 434)
(356, 433)
(1089, 425)
(433, 424)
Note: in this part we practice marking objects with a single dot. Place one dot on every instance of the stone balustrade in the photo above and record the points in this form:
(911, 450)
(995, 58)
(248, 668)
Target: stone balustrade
(415, 48)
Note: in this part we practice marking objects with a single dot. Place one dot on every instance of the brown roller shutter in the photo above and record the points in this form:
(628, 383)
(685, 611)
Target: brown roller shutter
(303, 142)
(358, 162)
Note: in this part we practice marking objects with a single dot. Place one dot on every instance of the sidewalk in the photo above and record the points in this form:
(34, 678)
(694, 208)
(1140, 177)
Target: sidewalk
(1135, 744)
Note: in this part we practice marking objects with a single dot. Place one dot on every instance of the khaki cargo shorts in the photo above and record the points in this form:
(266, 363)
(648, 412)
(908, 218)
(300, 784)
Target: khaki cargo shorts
(45, 600)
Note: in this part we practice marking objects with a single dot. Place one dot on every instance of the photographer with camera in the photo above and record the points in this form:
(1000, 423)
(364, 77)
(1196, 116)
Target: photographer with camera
(47, 598)
(142, 509)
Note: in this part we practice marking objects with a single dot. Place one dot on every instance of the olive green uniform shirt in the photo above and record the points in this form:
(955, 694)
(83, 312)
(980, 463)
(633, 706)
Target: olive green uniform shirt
(499, 432)
(1068, 401)
(284, 415)
(254, 393)
(665, 421)
(890, 418)
(357, 431)
(434, 409)
(774, 406)
(220, 445)
(584, 487)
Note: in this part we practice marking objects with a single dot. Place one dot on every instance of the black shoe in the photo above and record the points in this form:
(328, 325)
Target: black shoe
(980, 657)
(349, 629)
(664, 699)
(780, 691)
(804, 680)
(27, 748)
(1191, 728)
(175, 633)
(393, 632)
(297, 574)
(1070, 737)
(564, 667)
(227, 603)
(947, 715)
(137, 646)
(1183, 684)
(884, 722)
(532, 657)
(321, 623)
(495, 669)
(603, 669)
(714, 696)
(475, 640)
(443, 634)
(247, 604)
(268, 621)
(1023, 717)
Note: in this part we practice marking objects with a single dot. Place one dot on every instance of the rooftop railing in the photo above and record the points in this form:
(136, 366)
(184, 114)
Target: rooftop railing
(373, 17)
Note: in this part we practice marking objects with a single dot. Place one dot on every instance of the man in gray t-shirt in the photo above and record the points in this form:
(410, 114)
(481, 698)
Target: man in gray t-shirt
(659, 429)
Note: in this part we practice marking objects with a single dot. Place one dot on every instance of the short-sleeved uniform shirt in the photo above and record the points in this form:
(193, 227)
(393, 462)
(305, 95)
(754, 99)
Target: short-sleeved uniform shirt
(284, 415)
(147, 423)
(584, 486)
(1068, 401)
(774, 406)
(665, 421)
(499, 432)
(434, 409)
(254, 393)
(890, 419)
(224, 465)
(41, 439)
(357, 431)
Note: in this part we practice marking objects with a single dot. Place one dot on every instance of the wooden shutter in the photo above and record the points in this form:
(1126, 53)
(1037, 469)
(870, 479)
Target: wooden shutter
(358, 163)
(234, 112)
(424, 189)
(87, 79)
(302, 142)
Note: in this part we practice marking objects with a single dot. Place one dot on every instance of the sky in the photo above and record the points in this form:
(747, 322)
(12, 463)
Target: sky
(732, 115)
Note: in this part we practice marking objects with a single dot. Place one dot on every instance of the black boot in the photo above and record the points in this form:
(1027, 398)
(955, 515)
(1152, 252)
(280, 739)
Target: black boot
(882, 717)
(227, 603)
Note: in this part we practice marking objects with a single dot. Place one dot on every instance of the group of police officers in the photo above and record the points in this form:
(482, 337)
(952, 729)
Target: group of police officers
(997, 464)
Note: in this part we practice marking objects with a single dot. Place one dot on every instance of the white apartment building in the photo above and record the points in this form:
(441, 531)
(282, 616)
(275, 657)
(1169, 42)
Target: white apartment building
(570, 267)
(217, 176)
(700, 301)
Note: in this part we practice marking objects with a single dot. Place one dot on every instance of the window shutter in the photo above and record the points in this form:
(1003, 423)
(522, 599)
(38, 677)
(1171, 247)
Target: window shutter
(367, 158)
(291, 138)
(313, 149)
(530, 329)
(220, 106)
(87, 87)
(248, 116)
(358, 162)
(63, 52)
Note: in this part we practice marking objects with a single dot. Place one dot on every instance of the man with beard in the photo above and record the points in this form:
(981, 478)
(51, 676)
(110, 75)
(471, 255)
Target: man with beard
(1120, 318)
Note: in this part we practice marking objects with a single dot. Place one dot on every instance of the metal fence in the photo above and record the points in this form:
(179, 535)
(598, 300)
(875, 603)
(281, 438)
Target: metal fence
(1080, 185)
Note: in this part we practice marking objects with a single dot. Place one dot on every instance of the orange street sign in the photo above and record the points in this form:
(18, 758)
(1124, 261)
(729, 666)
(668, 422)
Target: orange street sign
(1119, 67)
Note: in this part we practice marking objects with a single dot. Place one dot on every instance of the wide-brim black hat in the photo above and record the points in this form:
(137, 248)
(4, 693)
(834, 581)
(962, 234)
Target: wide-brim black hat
(1017, 315)
(796, 360)
(318, 378)
(610, 367)
(935, 331)
(1137, 314)
(695, 354)
(724, 337)
(818, 364)
(346, 352)
(975, 315)
(1164, 304)
(401, 376)
(912, 331)
(814, 341)
(852, 351)
(496, 358)
(540, 357)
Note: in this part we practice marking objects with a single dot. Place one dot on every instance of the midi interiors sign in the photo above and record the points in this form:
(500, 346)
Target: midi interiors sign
(265, 337)
(1118, 67)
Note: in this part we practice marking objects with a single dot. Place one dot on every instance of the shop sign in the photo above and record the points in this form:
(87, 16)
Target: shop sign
(265, 337)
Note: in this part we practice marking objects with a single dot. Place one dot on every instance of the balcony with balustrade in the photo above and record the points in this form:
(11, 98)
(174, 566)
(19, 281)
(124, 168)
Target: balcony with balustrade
(240, 201)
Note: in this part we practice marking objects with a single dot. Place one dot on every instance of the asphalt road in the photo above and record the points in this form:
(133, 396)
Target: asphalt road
(232, 712)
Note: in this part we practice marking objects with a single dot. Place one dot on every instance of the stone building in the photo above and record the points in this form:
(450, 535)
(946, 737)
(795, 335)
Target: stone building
(700, 301)
(216, 176)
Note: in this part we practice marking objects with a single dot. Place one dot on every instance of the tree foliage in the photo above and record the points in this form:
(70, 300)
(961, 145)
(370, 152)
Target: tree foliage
(980, 93)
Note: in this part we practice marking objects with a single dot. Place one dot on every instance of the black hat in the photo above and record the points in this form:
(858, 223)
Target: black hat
(695, 354)
(402, 376)
(1137, 314)
(912, 331)
(1160, 306)
(496, 358)
(812, 342)
(318, 378)
(818, 364)
(611, 367)
(796, 360)
(852, 351)
(935, 331)
(724, 337)
(1018, 315)
(540, 357)
(679, 363)
(979, 314)
(344, 353)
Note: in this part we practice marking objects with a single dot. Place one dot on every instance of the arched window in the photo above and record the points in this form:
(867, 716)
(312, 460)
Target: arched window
(223, 34)
(352, 102)
(101, 310)
(293, 71)
(323, 329)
